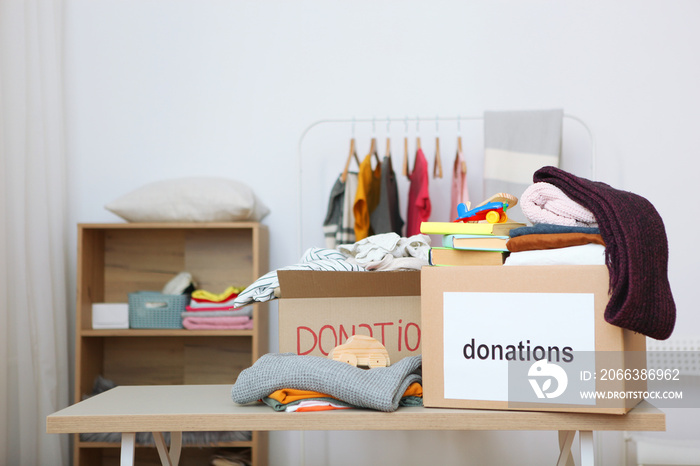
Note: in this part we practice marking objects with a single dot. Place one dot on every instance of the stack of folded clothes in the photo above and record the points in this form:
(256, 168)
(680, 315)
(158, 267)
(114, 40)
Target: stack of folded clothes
(563, 231)
(212, 311)
(294, 400)
(290, 382)
(579, 221)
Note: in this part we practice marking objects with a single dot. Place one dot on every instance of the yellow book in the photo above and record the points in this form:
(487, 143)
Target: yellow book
(450, 256)
(469, 228)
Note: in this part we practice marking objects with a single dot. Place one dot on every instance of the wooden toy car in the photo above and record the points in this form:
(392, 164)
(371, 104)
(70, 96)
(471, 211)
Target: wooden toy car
(361, 350)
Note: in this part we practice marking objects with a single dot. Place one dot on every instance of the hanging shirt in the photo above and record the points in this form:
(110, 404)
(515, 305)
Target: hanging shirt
(460, 190)
(367, 197)
(386, 218)
(332, 224)
(346, 234)
(419, 206)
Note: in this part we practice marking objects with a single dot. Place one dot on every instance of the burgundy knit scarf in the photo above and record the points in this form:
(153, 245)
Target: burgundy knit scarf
(636, 253)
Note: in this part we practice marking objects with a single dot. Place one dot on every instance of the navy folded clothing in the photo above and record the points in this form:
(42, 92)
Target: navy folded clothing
(548, 228)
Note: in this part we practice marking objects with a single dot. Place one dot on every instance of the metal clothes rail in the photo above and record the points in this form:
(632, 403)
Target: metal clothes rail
(405, 120)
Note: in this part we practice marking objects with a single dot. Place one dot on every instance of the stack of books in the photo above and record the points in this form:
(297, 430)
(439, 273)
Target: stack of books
(469, 243)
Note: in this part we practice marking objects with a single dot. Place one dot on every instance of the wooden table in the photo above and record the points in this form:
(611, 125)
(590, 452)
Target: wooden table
(178, 408)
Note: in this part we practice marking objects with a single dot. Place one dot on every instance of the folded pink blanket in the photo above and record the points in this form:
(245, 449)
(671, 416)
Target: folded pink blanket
(546, 203)
(218, 323)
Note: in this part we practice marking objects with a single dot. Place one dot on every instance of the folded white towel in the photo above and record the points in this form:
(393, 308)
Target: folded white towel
(587, 254)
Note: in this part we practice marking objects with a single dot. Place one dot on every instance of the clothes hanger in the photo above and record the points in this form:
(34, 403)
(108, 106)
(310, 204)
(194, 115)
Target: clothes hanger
(373, 149)
(437, 163)
(459, 146)
(417, 134)
(387, 151)
(351, 155)
(373, 144)
(405, 152)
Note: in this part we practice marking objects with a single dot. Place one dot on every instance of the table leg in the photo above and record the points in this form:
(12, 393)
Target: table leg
(585, 438)
(159, 440)
(175, 447)
(172, 457)
(128, 449)
(566, 439)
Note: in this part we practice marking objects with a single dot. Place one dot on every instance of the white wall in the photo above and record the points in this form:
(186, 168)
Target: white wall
(161, 89)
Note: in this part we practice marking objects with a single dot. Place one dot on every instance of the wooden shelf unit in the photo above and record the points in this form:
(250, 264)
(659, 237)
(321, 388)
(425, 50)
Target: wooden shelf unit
(117, 259)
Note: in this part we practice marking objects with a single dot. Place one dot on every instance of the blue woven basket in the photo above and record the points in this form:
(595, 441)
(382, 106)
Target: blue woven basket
(151, 309)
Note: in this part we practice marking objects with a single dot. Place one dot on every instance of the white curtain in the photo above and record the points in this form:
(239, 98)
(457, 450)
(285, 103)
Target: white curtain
(33, 262)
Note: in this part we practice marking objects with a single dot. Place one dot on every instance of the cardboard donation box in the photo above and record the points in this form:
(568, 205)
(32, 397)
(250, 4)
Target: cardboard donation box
(321, 310)
(526, 338)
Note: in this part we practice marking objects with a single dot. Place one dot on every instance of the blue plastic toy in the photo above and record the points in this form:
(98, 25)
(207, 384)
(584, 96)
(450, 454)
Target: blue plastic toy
(492, 212)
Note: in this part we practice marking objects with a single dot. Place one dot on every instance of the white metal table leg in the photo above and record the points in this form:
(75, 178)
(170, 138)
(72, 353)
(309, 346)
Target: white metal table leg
(566, 439)
(128, 449)
(585, 438)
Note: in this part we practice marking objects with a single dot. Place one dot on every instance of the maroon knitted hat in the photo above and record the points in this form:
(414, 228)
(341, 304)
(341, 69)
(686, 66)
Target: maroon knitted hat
(636, 253)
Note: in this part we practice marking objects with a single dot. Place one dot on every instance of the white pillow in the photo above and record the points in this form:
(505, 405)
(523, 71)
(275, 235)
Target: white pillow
(194, 199)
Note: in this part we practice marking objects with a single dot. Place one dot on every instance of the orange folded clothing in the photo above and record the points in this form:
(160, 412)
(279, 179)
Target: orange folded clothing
(291, 395)
(552, 241)
(415, 389)
(295, 400)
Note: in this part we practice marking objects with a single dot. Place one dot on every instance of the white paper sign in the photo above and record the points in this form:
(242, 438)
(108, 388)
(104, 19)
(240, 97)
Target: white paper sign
(484, 331)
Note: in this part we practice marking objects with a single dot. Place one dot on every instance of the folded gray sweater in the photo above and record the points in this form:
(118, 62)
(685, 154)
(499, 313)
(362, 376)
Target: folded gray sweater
(379, 388)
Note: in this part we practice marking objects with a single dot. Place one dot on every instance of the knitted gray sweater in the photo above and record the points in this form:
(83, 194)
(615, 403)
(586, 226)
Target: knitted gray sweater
(380, 388)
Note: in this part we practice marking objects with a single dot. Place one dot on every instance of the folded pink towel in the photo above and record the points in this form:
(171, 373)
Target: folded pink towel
(218, 323)
(545, 203)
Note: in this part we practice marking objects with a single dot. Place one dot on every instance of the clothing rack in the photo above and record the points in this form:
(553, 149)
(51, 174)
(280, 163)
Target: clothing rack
(405, 120)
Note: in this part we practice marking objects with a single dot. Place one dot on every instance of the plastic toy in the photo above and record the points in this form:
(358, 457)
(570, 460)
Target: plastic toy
(493, 209)
(361, 350)
(492, 212)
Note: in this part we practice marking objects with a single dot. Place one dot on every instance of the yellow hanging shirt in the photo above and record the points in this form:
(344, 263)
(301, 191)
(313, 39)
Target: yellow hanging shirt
(367, 196)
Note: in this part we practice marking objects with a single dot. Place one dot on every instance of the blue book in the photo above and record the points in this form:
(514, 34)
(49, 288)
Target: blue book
(476, 242)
